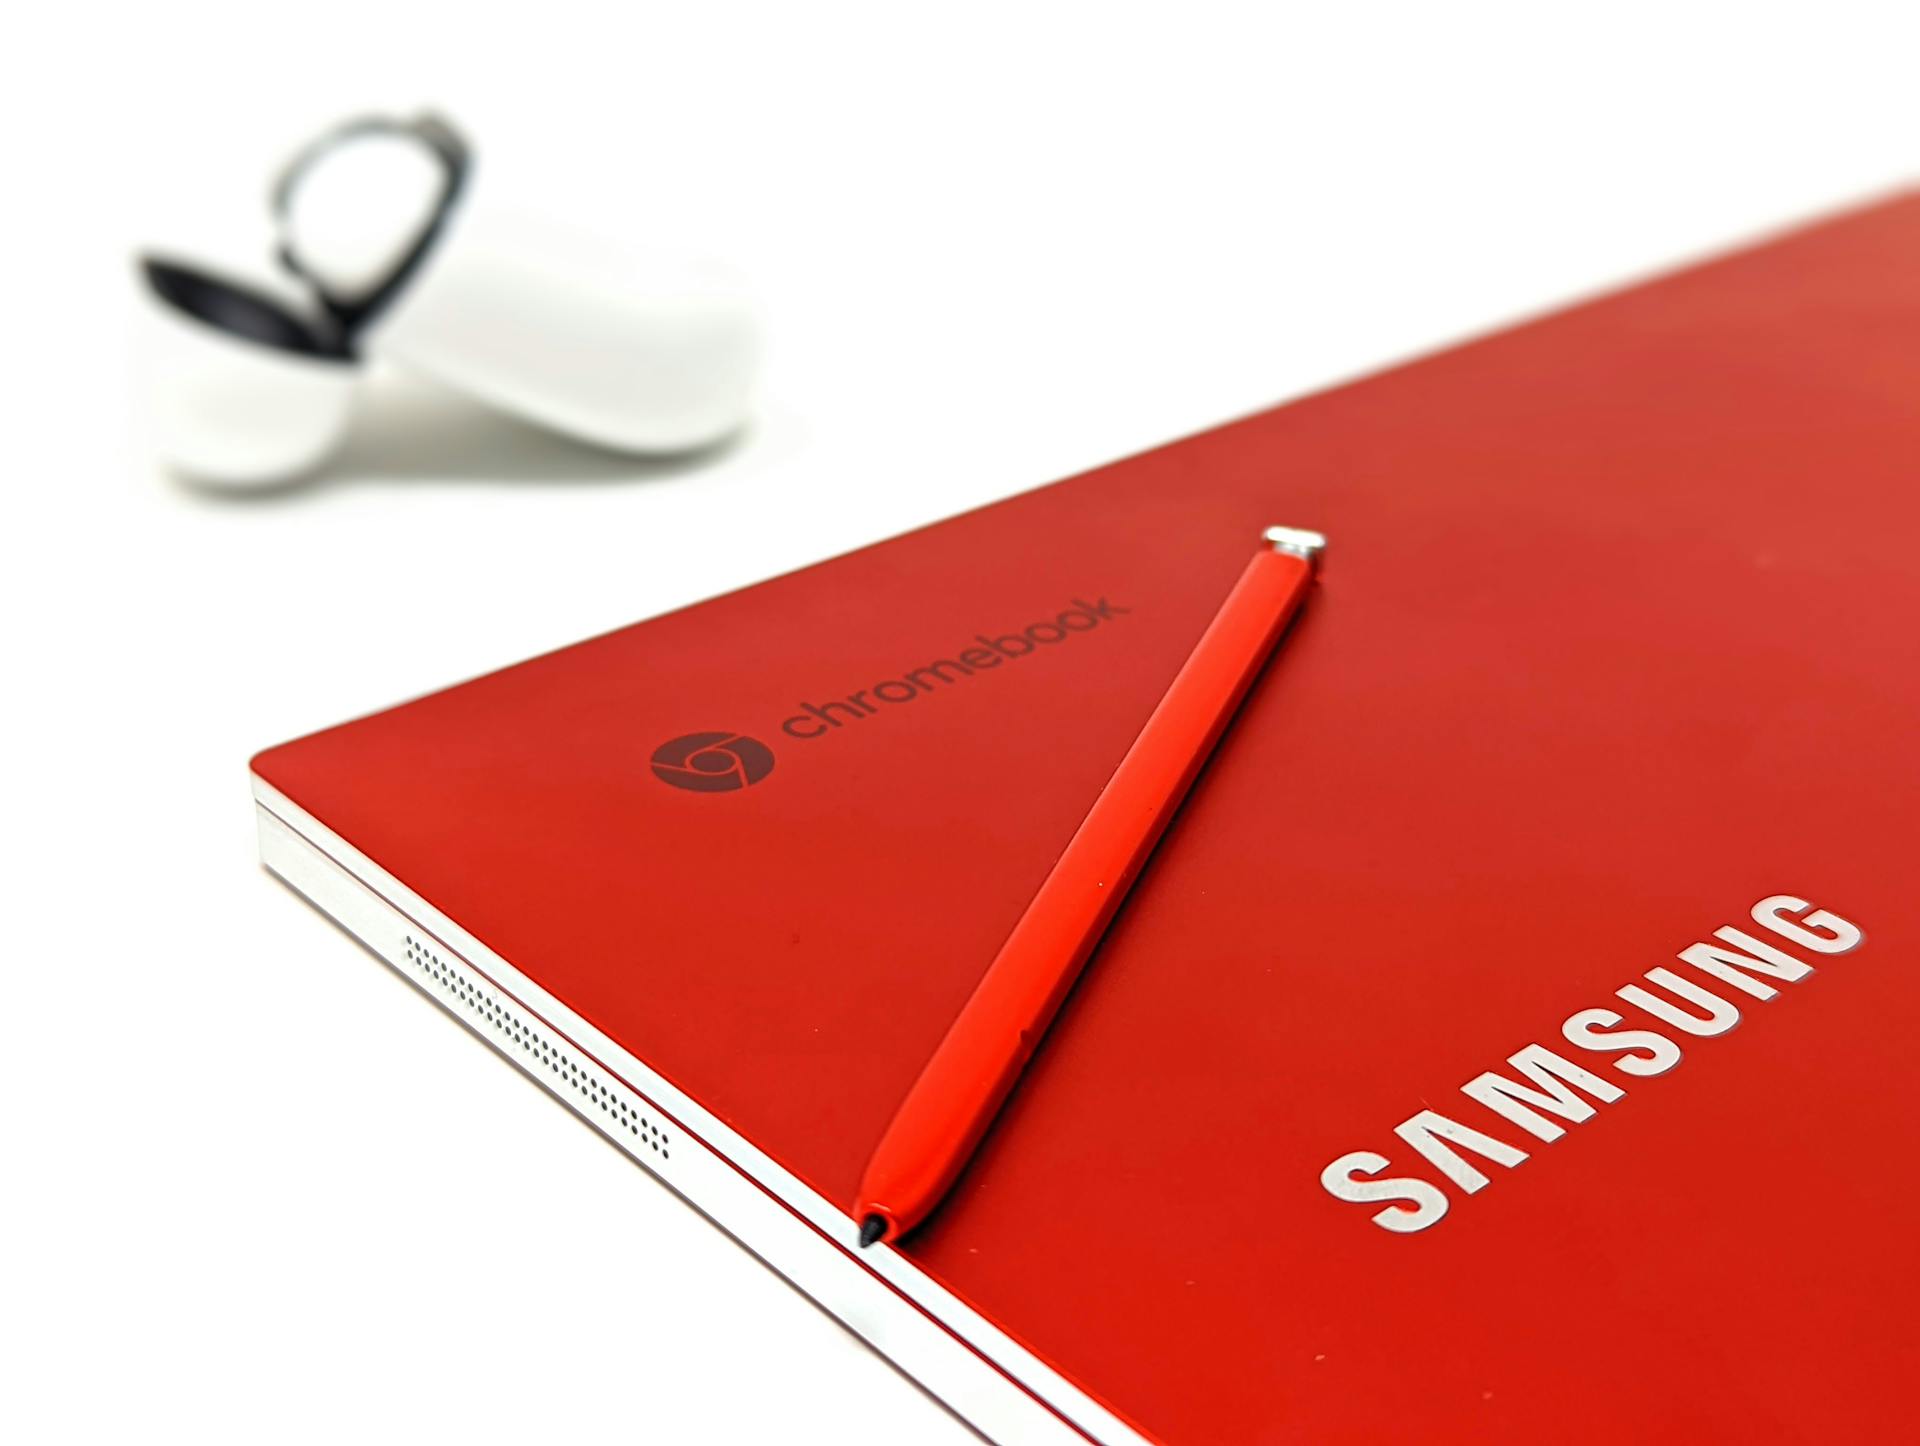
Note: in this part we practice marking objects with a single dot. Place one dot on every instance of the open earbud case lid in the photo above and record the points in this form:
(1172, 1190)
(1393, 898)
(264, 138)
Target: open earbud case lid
(361, 208)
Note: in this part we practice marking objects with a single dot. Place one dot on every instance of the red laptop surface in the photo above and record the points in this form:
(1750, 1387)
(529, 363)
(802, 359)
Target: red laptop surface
(1610, 682)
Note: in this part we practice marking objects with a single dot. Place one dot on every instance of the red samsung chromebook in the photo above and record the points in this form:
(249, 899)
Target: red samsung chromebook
(1512, 1038)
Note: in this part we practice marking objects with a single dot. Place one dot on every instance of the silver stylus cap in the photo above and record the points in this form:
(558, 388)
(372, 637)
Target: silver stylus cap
(1296, 540)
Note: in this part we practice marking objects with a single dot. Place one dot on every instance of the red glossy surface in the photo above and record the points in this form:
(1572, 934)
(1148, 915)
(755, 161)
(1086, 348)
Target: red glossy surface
(1619, 636)
(976, 1063)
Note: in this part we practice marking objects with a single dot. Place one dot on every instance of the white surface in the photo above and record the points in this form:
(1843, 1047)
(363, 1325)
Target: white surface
(254, 1183)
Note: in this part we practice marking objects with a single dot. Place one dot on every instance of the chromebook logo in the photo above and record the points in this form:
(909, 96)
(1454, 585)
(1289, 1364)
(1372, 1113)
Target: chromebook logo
(729, 762)
(712, 762)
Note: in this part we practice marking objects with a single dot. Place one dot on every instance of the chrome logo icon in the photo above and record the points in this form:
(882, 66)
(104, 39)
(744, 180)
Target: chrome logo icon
(712, 762)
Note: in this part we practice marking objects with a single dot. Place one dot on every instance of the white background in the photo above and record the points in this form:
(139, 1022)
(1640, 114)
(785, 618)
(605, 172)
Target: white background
(256, 1188)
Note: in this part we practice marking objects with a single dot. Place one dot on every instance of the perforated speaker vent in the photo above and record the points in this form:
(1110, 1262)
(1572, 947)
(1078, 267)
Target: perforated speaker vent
(475, 1000)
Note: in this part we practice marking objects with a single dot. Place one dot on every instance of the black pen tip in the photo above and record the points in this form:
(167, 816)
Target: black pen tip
(872, 1229)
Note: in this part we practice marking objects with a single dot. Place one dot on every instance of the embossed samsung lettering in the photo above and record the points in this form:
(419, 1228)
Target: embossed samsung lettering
(1551, 1091)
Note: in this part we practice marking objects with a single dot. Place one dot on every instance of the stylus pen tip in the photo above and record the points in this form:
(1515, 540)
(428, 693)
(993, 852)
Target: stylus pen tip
(872, 1229)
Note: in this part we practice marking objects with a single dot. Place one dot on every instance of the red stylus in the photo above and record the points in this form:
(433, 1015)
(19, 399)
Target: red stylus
(970, 1074)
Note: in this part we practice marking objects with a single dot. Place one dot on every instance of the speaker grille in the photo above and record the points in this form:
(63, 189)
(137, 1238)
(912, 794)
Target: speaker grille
(466, 994)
